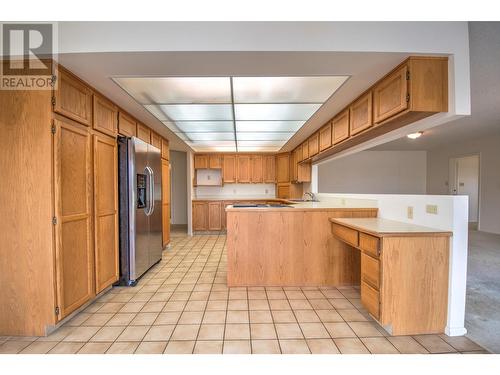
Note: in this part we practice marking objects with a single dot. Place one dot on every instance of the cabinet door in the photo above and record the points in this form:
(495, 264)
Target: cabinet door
(73, 98)
(294, 165)
(105, 116)
(283, 191)
(126, 125)
(200, 215)
(325, 137)
(370, 298)
(73, 231)
(143, 133)
(304, 172)
(215, 161)
(390, 95)
(229, 169)
(105, 212)
(305, 150)
(283, 167)
(340, 127)
(200, 161)
(165, 200)
(165, 149)
(269, 169)
(243, 169)
(155, 140)
(360, 117)
(257, 169)
(314, 144)
(214, 216)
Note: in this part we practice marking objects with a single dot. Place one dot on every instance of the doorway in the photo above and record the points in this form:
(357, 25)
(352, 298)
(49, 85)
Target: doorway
(464, 180)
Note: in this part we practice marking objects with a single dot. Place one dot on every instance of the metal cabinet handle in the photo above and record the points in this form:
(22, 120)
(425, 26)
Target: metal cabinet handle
(150, 200)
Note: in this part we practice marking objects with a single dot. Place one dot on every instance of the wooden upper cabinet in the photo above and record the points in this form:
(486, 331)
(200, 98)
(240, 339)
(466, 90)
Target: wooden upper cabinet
(257, 172)
(325, 138)
(391, 96)
(340, 127)
(143, 133)
(156, 140)
(283, 168)
(73, 98)
(105, 116)
(105, 212)
(214, 215)
(305, 150)
(74, 245)
(243, 169)
(200, 161)
(313, 144)
(126, 125)
(215, 161)
(229, 169)
(165, 149)
(360, 114)
(200, 216)
(269, 169)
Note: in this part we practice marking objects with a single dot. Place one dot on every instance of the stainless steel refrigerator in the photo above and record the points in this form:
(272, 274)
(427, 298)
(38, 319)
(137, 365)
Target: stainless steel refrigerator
(140, 208)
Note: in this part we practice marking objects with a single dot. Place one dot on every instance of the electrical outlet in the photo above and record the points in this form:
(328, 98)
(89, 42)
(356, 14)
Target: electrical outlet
(343, 201)
(409, 212)
(267, 191)
(234, 191)
(431, 209)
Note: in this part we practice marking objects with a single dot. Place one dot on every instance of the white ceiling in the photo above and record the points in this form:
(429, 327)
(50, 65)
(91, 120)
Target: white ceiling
(484, 44)
(365, 51)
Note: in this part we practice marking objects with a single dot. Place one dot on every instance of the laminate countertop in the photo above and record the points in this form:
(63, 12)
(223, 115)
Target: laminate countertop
(383, 227)
(305, 206)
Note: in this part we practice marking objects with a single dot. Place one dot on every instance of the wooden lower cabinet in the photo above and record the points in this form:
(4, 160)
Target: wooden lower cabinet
(74, 250)
(105, 212)
(214, 216)
(404, 279)
(200, 216)
(165, 201)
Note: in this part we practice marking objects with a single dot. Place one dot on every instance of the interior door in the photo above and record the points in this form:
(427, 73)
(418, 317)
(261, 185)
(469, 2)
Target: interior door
(155, 218)
(139, 246)
(73, 232)
(464, 180)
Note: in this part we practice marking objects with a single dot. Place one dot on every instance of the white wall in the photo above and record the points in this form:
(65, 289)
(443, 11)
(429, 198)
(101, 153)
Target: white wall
(375, 172)
(178, 200)
(488, 149)
(452, 215)
(233, 191)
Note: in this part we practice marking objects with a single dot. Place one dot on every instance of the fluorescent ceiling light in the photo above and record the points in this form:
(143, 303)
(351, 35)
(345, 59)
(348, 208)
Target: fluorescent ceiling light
(210, 113)
(285, 89)
(177, 90)
(415, 135)
(268, 126)
(278, 112)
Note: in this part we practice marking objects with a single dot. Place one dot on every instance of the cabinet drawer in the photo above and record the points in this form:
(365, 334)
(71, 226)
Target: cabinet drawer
(370, 270)
(345, 234)
(370, 244)
(370, 298)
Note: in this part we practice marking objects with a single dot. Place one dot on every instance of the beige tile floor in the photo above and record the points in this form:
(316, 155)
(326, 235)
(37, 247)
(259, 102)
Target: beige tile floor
(183, 305)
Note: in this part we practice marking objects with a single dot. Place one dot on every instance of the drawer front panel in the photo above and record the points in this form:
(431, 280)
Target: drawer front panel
(370, 270)
(345, 234)
(370, 244)
(370, 299)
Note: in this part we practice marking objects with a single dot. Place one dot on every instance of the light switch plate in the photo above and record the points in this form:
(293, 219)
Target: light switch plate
(431, 209)
(409, 212)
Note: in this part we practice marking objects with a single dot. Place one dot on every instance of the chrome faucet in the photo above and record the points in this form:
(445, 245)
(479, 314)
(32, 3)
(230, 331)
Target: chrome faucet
(311, 195)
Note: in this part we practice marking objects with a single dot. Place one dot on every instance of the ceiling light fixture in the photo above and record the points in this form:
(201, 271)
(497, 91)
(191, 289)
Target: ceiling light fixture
(415, 135)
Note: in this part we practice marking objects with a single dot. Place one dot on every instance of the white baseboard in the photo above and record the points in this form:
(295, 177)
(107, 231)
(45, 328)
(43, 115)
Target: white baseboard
(455, 331)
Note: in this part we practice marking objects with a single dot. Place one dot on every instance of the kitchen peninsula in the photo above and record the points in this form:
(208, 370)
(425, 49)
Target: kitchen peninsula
(320, 244)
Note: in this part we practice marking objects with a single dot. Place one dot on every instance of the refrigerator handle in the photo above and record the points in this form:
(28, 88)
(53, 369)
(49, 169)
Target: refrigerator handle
(151, 200)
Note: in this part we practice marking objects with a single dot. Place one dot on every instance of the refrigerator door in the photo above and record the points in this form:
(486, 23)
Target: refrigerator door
(139, 206)
(155, 229)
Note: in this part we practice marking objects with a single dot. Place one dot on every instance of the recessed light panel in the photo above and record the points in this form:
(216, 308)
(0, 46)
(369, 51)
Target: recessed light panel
(233, 113)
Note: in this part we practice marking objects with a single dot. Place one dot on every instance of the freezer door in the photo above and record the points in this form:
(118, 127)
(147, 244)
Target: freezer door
(155, 233)
(139, 206)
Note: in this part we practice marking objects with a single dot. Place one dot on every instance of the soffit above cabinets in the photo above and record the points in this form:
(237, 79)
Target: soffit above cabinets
(232, 113)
